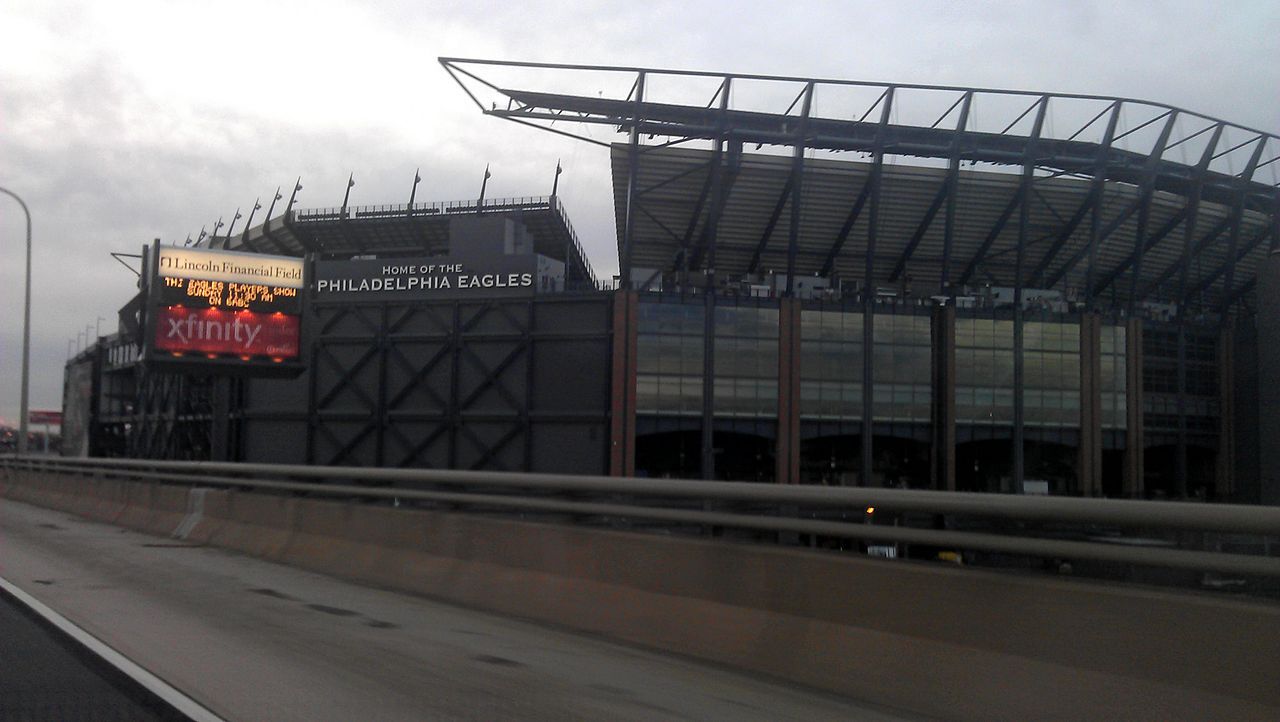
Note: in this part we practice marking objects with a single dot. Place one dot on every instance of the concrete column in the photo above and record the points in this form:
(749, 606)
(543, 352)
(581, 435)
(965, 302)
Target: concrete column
(1090, 451)
(943, 412)
(1134, 467)
(787, 451)
(622, 405)
(1224, 482)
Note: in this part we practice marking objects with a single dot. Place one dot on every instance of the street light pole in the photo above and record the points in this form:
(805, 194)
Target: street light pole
(26, 330)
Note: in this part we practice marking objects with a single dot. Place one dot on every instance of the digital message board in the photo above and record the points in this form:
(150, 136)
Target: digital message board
(224, 311)
(256, 297)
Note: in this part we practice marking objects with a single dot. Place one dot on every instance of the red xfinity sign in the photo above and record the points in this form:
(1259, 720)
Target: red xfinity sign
(216, 331)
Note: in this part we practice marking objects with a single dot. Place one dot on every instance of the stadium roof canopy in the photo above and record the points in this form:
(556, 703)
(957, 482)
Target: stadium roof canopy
(743, 174)
(391, 231)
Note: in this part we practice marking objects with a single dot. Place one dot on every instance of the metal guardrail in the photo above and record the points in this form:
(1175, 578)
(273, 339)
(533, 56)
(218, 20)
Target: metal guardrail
(641, 499)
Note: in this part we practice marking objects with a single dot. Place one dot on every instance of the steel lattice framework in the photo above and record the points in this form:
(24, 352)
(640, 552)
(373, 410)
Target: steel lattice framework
(1104, 195)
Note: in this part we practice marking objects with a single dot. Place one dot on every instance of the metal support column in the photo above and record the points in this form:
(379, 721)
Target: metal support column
(622, 408)
(1090, 450)
(787, 451)
(869, 293)
(1024, 209)
(1134, 483)
(1188, 236)
(1144, 210)
(633, 190)
(711, 232)
(1237, 220)
(796, 181)
(943, 411)
(949, 215)
(1095, 216)
(1224, 482)
(709, 320)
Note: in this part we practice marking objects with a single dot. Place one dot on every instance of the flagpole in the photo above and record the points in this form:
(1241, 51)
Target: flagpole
(417, 178)
(351, 181)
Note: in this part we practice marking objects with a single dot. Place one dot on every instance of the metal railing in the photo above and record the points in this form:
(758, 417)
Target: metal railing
(821, 512)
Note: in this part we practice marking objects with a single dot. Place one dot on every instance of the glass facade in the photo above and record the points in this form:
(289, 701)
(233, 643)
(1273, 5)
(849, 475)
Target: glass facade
(1112, 381)
(901, 368)
(746, 362)
(670, 359)
(830, 364)
(984, 371)
(1160, 380)
(1051, 374)
(745, 389)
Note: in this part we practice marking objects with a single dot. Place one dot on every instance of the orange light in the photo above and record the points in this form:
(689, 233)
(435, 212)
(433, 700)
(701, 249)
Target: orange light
(245, 358)
(277, 359)
(871, 510)
(211, 355)
(177, 353)
(277, 313)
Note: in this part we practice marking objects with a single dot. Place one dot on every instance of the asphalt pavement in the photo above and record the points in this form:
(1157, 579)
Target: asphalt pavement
(251, 640)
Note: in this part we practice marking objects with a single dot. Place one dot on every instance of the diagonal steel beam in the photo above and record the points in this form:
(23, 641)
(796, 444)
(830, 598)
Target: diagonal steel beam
(854, 211)
(773, 222)
(1096, 239)
(996, 229)
(1091, 200)
(1208, 280)
(1237, 218)
(1190, 252)
(921, 229)
(686, 243)
(723, 179)
(1144, 212)
(1151, 242)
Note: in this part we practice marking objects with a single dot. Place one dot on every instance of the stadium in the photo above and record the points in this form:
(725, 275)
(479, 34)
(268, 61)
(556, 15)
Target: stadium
(820, 282)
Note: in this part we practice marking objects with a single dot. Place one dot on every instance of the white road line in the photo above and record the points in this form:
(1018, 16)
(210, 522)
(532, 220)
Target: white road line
(154, 684)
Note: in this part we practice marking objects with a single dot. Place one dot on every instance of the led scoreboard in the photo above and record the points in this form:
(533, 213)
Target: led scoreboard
(234, 311)
(256, 297)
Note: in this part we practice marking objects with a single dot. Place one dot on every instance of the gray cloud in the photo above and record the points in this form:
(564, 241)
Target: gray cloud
(111, 151)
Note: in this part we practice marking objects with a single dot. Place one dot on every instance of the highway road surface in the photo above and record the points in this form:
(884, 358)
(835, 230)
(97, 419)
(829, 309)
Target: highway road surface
(251, 640)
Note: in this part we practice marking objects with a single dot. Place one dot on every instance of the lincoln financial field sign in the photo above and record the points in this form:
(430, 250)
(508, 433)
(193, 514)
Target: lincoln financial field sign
(440, 277)
(225, 309)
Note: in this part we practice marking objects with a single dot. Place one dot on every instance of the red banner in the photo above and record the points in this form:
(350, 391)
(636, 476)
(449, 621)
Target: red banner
(35, 416)
(181, 330)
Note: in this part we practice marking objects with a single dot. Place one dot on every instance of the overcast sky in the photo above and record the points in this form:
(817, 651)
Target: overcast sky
(125, 121)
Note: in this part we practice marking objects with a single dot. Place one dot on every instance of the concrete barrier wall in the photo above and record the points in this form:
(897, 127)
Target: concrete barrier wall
(941, 641)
